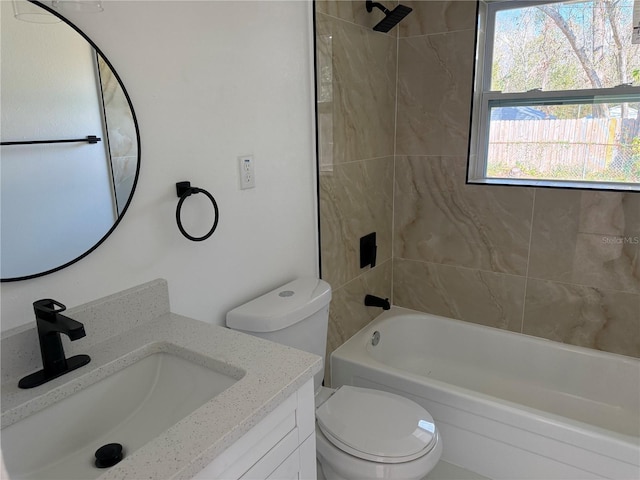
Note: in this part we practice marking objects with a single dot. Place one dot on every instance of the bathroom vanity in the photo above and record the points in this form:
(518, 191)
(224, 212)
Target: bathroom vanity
(188, 399)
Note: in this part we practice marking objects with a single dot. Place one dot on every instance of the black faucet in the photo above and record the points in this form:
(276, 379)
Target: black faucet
(373, 301)
(50, 324)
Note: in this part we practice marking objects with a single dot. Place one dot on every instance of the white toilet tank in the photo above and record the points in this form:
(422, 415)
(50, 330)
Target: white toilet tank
(295, 314)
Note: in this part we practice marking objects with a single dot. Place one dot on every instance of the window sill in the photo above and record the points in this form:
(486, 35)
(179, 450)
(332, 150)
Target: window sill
(585, 185)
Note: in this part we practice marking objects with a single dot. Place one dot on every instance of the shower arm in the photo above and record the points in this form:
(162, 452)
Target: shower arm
(370, 4)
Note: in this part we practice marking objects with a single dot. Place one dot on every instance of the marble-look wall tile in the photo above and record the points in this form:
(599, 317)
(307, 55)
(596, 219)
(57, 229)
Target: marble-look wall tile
(586, 238)
(124, 174)
(324, 95)
(122, 135)
(347, 313)
(631, 211)
(434, 93)
(601, 213)
(585, 316)
(486, 298)
(354, 11)
(432, 16)
(355, 199)
(439, 219)
(123, 140)
(356, 108)
(363, 66)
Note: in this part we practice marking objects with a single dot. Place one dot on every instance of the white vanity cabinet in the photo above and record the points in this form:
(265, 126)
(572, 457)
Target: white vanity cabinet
(261, 426)
(281, 446)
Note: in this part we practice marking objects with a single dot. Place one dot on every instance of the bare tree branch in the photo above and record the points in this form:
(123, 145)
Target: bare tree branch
(583, 58)
(562, 24)
(621, 59)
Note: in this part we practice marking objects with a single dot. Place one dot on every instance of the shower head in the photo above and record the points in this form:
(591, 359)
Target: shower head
(392, 17)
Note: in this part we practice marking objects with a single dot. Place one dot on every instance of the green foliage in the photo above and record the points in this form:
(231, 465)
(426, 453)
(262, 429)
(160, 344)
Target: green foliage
(523, 170)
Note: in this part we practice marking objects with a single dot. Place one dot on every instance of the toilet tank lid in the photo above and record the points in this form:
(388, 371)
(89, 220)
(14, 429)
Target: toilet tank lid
(281, 307)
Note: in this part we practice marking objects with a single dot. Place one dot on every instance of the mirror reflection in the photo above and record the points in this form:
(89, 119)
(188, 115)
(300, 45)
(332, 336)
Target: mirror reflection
(59, 200)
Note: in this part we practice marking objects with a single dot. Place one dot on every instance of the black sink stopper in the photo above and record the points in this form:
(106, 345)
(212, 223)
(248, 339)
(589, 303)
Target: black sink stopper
(108, 455)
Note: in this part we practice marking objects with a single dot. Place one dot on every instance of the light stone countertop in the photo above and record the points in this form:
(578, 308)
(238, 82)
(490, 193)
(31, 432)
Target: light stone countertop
(272, 372)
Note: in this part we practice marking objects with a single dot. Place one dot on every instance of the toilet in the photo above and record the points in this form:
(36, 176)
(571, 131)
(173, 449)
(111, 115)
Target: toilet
(360, 432)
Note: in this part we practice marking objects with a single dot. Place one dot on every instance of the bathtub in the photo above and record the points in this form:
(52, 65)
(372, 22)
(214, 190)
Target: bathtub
(508, 406)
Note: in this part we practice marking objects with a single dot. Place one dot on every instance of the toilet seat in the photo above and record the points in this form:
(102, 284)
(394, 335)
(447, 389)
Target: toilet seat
(375, 425)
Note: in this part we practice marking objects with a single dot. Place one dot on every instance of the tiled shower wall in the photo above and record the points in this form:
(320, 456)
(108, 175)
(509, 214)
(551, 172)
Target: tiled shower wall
(558, 264)
(356, 120)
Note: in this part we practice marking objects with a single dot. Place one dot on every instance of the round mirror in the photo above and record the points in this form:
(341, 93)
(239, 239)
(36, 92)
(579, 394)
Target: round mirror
(70, 153)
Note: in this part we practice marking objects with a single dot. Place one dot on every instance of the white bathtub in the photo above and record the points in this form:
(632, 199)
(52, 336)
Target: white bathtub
(508, 406)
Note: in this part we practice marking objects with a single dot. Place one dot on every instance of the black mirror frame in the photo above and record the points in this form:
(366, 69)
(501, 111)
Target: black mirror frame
(135, 180)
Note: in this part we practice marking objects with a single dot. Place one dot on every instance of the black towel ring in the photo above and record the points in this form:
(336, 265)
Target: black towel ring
(184, 190)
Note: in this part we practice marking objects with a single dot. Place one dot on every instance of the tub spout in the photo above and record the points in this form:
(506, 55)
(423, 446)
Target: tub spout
(373, 301)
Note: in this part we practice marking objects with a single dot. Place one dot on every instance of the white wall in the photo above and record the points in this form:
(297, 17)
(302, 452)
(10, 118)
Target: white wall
(209, 81)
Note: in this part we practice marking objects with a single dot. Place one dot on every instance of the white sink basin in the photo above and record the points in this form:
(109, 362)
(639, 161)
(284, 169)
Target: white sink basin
(130, 407)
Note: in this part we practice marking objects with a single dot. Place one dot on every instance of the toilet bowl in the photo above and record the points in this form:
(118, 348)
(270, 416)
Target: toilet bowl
(361, 433)
(366, 433)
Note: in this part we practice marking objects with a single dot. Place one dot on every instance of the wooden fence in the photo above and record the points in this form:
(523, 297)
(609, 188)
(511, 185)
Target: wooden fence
(581, 146)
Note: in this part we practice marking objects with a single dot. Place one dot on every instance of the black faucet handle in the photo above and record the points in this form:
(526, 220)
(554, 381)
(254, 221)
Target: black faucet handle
(45, 308)
(50, 323)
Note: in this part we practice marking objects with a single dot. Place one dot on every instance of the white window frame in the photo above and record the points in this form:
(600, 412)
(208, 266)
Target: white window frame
(484, 99)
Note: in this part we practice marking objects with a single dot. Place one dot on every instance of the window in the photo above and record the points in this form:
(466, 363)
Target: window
(557, 95)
